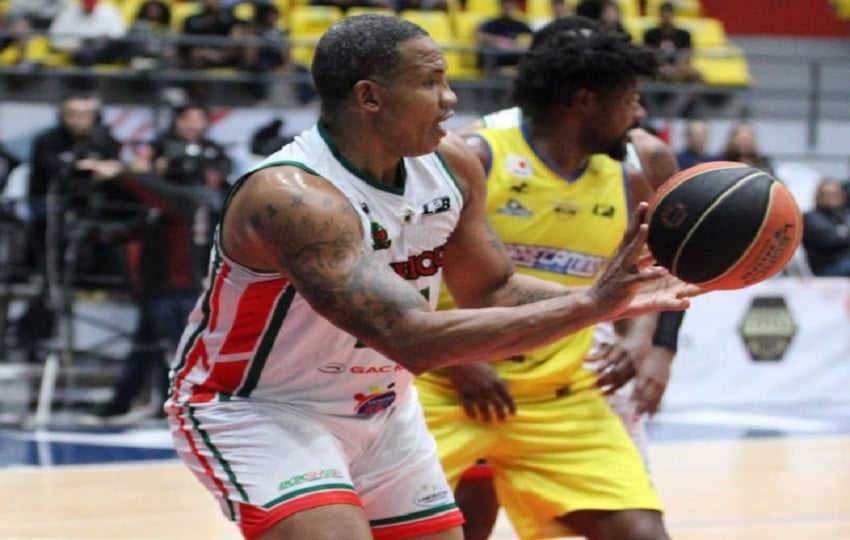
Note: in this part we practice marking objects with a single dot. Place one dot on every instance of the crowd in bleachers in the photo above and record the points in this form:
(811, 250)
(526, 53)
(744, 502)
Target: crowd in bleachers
(268, 36)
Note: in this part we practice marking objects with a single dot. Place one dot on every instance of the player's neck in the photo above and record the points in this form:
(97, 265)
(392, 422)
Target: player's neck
(560, 148)
(368, 155)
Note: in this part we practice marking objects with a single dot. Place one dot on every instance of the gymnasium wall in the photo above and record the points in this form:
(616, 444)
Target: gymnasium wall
(809, 18)
(781, 342)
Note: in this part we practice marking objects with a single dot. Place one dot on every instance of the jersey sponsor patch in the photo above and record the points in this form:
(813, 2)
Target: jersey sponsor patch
(557, 261)
(518, 166)
(376, 400)
(514, 208)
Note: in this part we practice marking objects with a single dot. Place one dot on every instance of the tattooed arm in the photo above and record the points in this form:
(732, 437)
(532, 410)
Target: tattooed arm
(285, 220)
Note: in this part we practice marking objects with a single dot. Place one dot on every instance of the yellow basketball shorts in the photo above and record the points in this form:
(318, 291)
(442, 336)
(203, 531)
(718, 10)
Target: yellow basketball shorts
(555, 456)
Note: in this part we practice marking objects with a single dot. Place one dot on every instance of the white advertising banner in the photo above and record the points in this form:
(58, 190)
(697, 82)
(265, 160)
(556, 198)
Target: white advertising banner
(783, 341)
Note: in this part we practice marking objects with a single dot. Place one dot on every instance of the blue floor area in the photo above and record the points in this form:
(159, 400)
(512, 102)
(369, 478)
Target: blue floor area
(103, 445)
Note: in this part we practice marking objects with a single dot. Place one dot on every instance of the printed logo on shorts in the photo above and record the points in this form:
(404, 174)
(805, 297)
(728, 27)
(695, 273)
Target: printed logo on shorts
(311, 476)
(376, 400)
(431, 495)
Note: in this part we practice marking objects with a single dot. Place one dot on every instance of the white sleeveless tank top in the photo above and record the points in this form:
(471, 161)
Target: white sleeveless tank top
(252, 335)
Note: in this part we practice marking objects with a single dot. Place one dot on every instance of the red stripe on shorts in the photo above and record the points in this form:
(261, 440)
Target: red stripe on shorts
(254, 520)
(435, 524)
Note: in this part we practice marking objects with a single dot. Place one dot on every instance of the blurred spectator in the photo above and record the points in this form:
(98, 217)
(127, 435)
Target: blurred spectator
(149, 46)
(674, 44)
(606, 12)
(15, 38)
(742, 145)
(695, 150)
(39, 13)
(72, 158)
(826, 232)
(185, 156)
(503, 38)
(213, 20)
(272, 52)
(73, 161)
(89, 32)
(190, 178)
(560, 8)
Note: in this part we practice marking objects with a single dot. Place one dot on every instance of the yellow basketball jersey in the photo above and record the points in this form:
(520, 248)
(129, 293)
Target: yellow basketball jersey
(555, 228)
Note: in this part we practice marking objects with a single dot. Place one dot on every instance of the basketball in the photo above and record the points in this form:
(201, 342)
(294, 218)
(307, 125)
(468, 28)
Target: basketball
(723, 225)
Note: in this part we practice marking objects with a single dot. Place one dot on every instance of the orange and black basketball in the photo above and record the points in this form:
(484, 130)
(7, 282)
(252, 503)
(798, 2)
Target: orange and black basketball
(723, 225)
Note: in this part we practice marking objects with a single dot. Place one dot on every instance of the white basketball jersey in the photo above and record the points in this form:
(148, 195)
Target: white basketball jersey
(252, 335)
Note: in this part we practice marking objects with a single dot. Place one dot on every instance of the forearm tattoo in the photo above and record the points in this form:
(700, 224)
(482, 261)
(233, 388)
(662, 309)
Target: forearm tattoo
(324, 255)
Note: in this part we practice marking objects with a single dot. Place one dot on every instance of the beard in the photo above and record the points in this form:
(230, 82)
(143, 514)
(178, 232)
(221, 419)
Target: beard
(617, 149)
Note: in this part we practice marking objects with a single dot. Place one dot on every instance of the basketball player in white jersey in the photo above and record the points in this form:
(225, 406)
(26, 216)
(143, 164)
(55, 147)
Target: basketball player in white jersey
(291, 394)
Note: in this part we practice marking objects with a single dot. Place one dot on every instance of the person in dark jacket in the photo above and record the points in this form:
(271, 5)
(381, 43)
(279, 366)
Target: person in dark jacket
(826, 231)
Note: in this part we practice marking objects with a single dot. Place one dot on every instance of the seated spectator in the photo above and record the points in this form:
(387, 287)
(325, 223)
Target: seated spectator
(148, 44)
(272, 52)
(503, 38)
(15, 38)
(39, 13)
(695, 150)
(213, 20)
(674, 44)
(607, 12)
(742, 145)
(89, 32)
(826, 232)
(560, 8)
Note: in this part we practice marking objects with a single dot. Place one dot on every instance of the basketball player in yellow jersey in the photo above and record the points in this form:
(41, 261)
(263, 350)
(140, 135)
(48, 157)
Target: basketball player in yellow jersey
(562, 460)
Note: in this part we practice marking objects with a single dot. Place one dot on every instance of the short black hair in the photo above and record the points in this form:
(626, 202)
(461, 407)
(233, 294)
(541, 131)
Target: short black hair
(357, 48)
(552, 73)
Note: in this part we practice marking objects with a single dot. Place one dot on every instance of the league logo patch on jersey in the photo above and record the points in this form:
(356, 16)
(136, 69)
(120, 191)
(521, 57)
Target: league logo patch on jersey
(376, 400)
(436, 206)
(514, 208)
(518, 166)
(380, 237)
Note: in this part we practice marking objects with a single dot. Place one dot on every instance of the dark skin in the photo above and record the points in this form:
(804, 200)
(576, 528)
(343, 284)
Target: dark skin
(286, 220)
(486, 397)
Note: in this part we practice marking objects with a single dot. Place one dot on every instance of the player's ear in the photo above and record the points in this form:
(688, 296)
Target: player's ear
(585, 99)
(366, 95)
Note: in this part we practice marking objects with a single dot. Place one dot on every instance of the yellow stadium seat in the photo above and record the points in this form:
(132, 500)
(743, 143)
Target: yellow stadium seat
(538, 9)
(629, 8)
(842, 8)
(436, 23)
(312, 21)
(462, 58)
(682, 8)
(489, 8)
(129, 10)
(375, 10)
(244, 11)
(723, 66)
(705, 31)
(180, 11)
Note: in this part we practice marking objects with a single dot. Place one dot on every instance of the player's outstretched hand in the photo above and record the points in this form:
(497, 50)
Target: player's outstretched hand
(632, 285)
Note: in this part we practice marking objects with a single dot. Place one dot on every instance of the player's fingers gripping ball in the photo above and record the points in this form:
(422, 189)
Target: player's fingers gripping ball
(723, 225)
